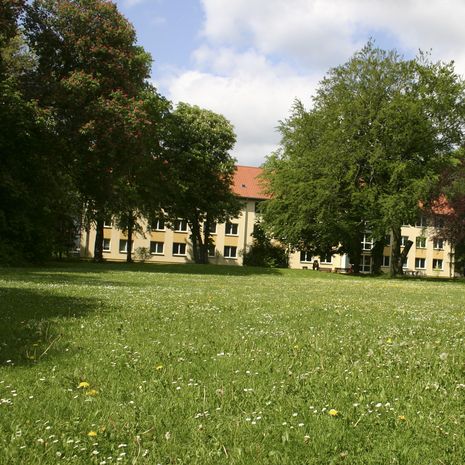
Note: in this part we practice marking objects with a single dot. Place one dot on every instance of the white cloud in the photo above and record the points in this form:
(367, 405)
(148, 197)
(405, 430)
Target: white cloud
(258, 56)
(253, 95)
(132, 3)
(322, 33)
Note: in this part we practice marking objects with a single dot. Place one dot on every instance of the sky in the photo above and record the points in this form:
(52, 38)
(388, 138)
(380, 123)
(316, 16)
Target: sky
(250, 59)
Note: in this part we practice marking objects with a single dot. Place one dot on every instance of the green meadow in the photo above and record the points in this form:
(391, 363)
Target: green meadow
(152, 364)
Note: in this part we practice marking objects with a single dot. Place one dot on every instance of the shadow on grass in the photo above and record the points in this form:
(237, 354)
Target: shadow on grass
(28, 331)
(58, 271)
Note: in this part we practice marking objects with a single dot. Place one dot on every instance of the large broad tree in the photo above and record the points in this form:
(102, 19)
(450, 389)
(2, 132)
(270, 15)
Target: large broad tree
(380, 132)
(201, 172)
(89, 75)
(139, 183)
(37, 206)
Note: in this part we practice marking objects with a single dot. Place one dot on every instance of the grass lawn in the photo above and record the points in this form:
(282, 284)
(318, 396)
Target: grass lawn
(212, 365)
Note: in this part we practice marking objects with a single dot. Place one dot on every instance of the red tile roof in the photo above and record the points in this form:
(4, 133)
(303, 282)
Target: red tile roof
(247, 182)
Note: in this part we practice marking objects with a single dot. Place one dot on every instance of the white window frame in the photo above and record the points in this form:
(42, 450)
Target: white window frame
(106, 241)
(419, 240)
(156, 247)
(437, 267)
(386, 258)
(228, 249)
(367, 241)
(324, 259)
(438, 222)
(438, 244)
(213, 228)
(308, 258)
(366, 263)
(421, 222)
(180, 225)
(108, 225)
(125, 249)
(179, 245)
(156, 226)
(212, 250)
(418, 263)
(231, 226)
(403, 240)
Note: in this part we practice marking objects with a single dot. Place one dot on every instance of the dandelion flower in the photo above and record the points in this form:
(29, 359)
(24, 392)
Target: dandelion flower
(91, 392)
(389, 340)
(83, 385)
(402, 418)
(159, 367)
(333, 412)
(92, 434)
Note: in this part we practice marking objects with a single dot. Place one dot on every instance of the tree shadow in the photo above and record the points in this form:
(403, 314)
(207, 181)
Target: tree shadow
(28, 326)
(175, 268)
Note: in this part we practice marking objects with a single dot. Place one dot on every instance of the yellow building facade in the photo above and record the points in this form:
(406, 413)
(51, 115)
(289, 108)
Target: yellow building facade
(163, 243)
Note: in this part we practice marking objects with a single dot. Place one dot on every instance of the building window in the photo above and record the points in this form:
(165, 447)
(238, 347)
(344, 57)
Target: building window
(211, 250)
(180, 225)
(156, 248)
(438, 244)
(123, 246)
(179, 248)
(387, 240)
(437, 264)
(231, 229)
(305, 256)
(367, 242)
(421, 222)
(106, 245)
(326, 259)
(158, 225)
(365, 264)
(212, 229)
(230, 251)
(403, 241)
(386, 260)
(107, 223)
(405, 263)
(438, 222)
(420, 263)
(421, 242)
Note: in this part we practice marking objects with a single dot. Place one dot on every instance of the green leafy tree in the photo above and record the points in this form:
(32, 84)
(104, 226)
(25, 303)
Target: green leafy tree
(263, 252)
(89, 75)
(380, 132)
(201, 172)
(37, 207)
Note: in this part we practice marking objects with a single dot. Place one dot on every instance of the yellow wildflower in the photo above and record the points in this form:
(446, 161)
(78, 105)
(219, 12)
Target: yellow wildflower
(91, 392)
(159, 367)
(83, 385)
(402, 418)
(389, 340)
(333, 412)
(92, 434)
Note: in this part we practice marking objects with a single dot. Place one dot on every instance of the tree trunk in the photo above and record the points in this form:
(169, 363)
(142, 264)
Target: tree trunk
(130, 228)
(195, 236)
(355, 254)
(98, 246)
(377, 257)
(396, 263)
(206, 241)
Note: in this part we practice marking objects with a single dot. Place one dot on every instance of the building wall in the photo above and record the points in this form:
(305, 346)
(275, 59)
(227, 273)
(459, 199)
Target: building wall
(245, 224)
(242, 240)
(431, 255)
